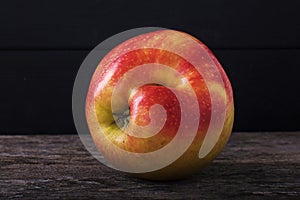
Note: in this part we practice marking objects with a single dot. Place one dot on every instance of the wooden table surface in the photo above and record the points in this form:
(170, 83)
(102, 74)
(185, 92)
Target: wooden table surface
(252, 166)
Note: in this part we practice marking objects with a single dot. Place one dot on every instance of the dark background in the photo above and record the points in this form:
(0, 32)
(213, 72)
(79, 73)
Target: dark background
(42, 44)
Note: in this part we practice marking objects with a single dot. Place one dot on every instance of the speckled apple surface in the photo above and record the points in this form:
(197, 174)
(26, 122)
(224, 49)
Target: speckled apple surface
(133, 105)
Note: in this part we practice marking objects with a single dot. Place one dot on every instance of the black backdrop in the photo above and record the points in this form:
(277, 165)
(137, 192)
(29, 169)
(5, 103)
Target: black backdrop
(42, 44)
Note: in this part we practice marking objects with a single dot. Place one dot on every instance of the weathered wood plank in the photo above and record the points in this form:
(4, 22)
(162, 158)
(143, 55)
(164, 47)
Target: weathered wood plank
(252, 166)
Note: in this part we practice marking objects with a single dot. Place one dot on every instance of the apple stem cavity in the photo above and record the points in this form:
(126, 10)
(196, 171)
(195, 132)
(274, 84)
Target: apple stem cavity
(122, 118)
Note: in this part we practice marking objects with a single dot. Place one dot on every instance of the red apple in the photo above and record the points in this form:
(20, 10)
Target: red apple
(160, 106)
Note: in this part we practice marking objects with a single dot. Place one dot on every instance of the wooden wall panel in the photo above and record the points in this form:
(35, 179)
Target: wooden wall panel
(79, 24)
(43, 42)
(37, 89)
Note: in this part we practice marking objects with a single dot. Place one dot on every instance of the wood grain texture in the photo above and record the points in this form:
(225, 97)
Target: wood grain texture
(252, 166)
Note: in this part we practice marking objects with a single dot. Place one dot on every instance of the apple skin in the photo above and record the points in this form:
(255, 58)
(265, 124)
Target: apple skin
(117, 63)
